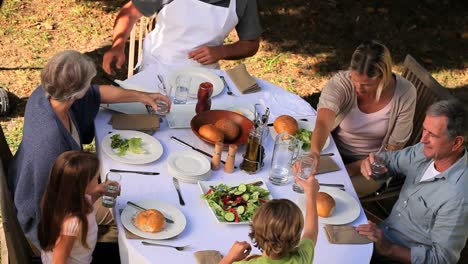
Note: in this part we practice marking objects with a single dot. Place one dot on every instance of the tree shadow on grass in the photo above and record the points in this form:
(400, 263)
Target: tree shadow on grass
(429, 30)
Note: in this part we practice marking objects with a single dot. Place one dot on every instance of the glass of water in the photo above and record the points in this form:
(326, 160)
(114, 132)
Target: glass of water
(306, 164)
(378, 167)
(183, 83)
(163, 107)
(112, 189)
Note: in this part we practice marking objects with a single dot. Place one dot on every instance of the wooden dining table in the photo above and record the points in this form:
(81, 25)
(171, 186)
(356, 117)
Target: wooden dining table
(203, 231)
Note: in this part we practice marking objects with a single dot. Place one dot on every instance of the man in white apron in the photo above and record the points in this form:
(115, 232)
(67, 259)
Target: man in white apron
(187, 32)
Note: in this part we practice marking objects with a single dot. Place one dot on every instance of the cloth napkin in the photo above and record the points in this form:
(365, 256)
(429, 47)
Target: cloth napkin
(208, 256)
(146, 123)
(327, 165)
(344, 235)
(244, 82)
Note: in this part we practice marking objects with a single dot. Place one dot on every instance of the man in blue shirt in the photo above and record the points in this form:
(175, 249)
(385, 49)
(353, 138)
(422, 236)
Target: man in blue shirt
(428, 222)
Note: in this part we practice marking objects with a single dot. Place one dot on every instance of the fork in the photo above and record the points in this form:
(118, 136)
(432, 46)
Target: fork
(178, 248)
(177, 187)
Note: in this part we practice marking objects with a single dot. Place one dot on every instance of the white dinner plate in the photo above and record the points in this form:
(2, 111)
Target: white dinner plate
(205, 186)
(188, 163)
(198, 75)
(152, 146)
(245, 111)
(346, 211)
(169, 211)
(302, 124)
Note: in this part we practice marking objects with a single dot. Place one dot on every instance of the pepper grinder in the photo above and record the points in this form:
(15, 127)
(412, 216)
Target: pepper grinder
(216, 160)
(231, 157)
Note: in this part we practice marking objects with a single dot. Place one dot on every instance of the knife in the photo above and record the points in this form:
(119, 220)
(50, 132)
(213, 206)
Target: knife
(194, 148)
(332, 185)
(227, 86)
(170, 221)
(139, 172)
(161, 79)
(302, 119)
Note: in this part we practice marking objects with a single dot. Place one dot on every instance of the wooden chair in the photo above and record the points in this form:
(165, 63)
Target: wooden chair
(19, 250)
(428, 91)
(140, 30)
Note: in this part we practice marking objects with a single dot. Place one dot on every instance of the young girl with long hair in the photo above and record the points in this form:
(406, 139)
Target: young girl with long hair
(67, 230)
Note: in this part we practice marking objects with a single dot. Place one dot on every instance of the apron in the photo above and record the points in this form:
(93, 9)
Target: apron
(184, 25)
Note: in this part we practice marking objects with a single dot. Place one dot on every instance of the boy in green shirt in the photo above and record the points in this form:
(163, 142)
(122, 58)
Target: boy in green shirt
(276, 230)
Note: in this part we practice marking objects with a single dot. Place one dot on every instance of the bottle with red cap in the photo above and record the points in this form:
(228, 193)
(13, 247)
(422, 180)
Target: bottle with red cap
(204, 97)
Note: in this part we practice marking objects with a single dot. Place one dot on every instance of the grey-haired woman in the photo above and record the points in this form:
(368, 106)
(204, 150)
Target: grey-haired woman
(59, 117)
(363, 108)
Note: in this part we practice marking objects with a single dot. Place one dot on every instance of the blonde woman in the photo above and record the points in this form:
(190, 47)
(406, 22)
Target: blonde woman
(363, 108)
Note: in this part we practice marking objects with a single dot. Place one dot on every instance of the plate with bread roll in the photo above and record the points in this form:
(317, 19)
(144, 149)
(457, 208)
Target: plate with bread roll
(298, 128)
(151, 223)
(334, 206)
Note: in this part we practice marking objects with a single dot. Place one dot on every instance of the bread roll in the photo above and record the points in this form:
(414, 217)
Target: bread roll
(285, 123)
(210, 132)
(150, 220)
(228, 128)
(325, 204)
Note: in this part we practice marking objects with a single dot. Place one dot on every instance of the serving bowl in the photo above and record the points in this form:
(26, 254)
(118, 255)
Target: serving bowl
(210, 117)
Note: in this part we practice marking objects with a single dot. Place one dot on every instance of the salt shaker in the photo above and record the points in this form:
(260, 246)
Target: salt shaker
(216, 160)
(229, 166)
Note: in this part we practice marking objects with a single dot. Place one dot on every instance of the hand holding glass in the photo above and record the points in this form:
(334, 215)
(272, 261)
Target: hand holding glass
(163, 107)
(305, 168)
(378, 166)
(112, 189)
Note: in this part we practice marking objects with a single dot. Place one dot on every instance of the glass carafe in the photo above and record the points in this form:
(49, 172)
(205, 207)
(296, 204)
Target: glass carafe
(286, 150)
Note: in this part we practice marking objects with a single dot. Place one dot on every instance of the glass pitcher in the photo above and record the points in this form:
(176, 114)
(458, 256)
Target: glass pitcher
(287, 149)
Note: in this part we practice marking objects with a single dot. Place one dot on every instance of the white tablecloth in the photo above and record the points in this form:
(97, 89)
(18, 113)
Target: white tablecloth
(202, 231)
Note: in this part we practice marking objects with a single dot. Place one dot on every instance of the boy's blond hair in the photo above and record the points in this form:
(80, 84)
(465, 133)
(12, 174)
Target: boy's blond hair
(276, 228)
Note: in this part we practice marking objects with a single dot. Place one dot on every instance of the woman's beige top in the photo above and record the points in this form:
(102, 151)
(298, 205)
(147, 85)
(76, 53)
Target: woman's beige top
(361, 133)
(339, 96)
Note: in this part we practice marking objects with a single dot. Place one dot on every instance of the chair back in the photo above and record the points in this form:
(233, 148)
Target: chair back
(19, 250)
(138, 33)
(428, 92)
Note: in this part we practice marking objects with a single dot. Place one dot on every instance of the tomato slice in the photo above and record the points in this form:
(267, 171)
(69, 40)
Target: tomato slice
(234, 211)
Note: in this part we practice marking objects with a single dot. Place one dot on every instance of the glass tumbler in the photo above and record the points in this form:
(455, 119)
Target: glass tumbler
(183, 84)
(112, 189)
(306, 164)
(378, 167)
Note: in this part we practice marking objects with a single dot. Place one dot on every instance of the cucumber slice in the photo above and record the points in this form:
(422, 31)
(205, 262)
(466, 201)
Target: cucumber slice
(254, 196)
(245, 197)
(229, 216)
(238, 193)
(242, 188)
(240, 209)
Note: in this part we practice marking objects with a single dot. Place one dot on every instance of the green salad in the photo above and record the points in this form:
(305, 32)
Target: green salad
(304, 135)
(122, 145)
(236, 204)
